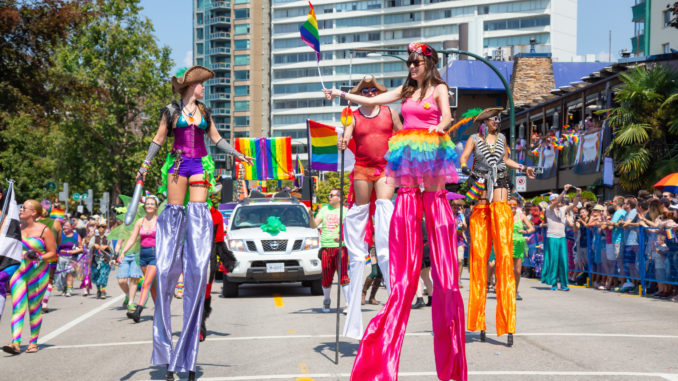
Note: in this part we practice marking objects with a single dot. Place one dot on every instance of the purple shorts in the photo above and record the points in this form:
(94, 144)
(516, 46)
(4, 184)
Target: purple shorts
(188, 167)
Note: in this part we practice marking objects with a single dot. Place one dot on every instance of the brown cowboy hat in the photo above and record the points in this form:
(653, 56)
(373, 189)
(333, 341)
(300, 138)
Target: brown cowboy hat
(193, 75)
(368, 81)
(488, 113)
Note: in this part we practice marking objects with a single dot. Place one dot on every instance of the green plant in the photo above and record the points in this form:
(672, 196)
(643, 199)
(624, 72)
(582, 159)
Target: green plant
(645, 125)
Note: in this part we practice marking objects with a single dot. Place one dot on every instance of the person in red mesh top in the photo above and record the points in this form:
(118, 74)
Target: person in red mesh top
(371, 128)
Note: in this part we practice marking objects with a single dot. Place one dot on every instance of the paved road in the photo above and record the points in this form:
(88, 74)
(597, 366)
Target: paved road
(278, 332)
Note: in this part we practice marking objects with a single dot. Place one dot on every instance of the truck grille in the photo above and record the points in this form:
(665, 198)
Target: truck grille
(297, 245)
(251, 246)
(288, 263)
(274, 244)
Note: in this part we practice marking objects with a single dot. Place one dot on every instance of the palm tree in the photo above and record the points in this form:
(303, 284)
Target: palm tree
(645, 126)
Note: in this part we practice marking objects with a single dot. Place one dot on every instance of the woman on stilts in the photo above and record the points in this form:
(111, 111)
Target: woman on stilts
(372, 127)
(421, 154)
(184, 228)
(491, 224)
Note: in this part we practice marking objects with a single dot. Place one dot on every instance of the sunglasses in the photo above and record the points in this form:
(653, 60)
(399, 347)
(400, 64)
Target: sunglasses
(334, 194)
(24, 208)
(496, 119)
(370, 90)
(414, 62)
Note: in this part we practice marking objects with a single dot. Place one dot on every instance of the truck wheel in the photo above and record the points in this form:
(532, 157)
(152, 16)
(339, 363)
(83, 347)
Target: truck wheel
(316, 287)
(230, 289)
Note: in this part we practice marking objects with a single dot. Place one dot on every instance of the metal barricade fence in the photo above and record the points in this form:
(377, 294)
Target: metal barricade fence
(639, 258)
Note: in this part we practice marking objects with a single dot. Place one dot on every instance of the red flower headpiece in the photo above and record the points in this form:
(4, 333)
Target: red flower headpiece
(419, 48)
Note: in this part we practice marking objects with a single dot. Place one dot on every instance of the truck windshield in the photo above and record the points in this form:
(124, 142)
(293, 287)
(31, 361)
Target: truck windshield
(255, 215)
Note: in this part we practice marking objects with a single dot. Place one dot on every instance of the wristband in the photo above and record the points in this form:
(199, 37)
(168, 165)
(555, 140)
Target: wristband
(343, 95)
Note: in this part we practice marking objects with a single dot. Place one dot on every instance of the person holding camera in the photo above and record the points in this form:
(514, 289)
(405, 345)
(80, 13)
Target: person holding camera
(29, 282)
(555, 255)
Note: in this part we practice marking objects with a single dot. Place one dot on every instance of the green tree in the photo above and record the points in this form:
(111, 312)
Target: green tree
(645, 126)
(332, 180)
(111, 117)
(32, 96)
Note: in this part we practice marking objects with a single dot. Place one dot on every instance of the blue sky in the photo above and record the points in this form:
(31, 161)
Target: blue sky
(173, 22)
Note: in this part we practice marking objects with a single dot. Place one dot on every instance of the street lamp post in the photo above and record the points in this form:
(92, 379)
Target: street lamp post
(446, 52)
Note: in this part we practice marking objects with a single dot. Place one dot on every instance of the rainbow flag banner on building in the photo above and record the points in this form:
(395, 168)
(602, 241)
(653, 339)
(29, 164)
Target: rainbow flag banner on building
(322, 146)
(273, 158)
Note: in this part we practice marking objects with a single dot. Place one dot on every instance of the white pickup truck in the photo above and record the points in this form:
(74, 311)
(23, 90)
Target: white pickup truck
(288, 256)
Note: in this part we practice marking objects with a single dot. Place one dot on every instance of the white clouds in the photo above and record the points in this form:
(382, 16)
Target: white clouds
(188, 58)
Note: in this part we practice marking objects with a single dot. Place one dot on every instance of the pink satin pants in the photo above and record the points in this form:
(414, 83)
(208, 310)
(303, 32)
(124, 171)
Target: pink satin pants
(379, 354)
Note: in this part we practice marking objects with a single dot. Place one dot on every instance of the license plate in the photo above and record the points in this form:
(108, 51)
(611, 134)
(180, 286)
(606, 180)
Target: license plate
(275, 267)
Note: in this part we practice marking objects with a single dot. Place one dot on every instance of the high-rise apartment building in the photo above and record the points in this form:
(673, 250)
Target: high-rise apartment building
(652, 32)
(232, 38)
(485, 27)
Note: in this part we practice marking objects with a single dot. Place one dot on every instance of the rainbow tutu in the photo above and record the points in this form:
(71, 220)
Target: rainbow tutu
(417, 157)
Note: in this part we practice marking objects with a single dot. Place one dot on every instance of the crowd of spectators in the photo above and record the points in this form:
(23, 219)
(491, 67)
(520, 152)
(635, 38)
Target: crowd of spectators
(614, 245)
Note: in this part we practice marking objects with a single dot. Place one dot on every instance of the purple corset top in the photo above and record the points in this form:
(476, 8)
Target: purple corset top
(190, 140)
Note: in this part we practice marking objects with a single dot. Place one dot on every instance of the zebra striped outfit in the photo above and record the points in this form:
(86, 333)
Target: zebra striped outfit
(488, 164)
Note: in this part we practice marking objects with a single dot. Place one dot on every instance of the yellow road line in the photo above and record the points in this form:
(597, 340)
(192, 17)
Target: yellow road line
(291, 331)
(278, 300)
(303, 368)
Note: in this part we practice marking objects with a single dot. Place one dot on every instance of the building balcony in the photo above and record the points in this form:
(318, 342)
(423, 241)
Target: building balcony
(220, 36)
(225, 5)
(221, 66)
(219, 97)
(219, 81)
(223, 127)
(638, 11)
(638, 44)
(222, 20)
(220, 51)
(221, 112)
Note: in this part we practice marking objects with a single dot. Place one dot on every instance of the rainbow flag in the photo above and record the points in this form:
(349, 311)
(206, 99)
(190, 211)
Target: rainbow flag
(368, 259)
(535, 152)
(669, 234)
(57, 214)
(323, 147)
(309, 31)
(298, 171)
(300, 167)
(273, 158)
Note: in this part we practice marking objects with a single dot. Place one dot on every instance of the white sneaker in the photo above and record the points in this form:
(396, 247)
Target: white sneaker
(326, 305)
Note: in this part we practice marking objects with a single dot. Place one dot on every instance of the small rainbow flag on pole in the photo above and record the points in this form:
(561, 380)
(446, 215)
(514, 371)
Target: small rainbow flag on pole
(309, 31)
(669, 234)
(273, 158)
(309, 34)
(298, 171)
(323, 149)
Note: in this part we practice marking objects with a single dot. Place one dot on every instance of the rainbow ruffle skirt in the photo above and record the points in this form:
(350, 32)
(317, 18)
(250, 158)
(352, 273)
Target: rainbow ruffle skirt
(417, 157)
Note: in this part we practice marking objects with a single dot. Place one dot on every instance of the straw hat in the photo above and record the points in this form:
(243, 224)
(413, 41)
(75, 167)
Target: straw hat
(192, 75)
(488, 113)
(366, 82)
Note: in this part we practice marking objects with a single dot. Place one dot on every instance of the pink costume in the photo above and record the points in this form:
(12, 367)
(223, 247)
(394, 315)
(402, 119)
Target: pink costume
(417, 157)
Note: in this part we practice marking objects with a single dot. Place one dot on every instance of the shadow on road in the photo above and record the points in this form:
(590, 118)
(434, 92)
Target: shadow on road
(345, 349)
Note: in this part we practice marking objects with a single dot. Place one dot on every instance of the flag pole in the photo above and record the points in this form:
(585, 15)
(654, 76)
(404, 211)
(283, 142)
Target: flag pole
(317, 63)
(341, 247)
